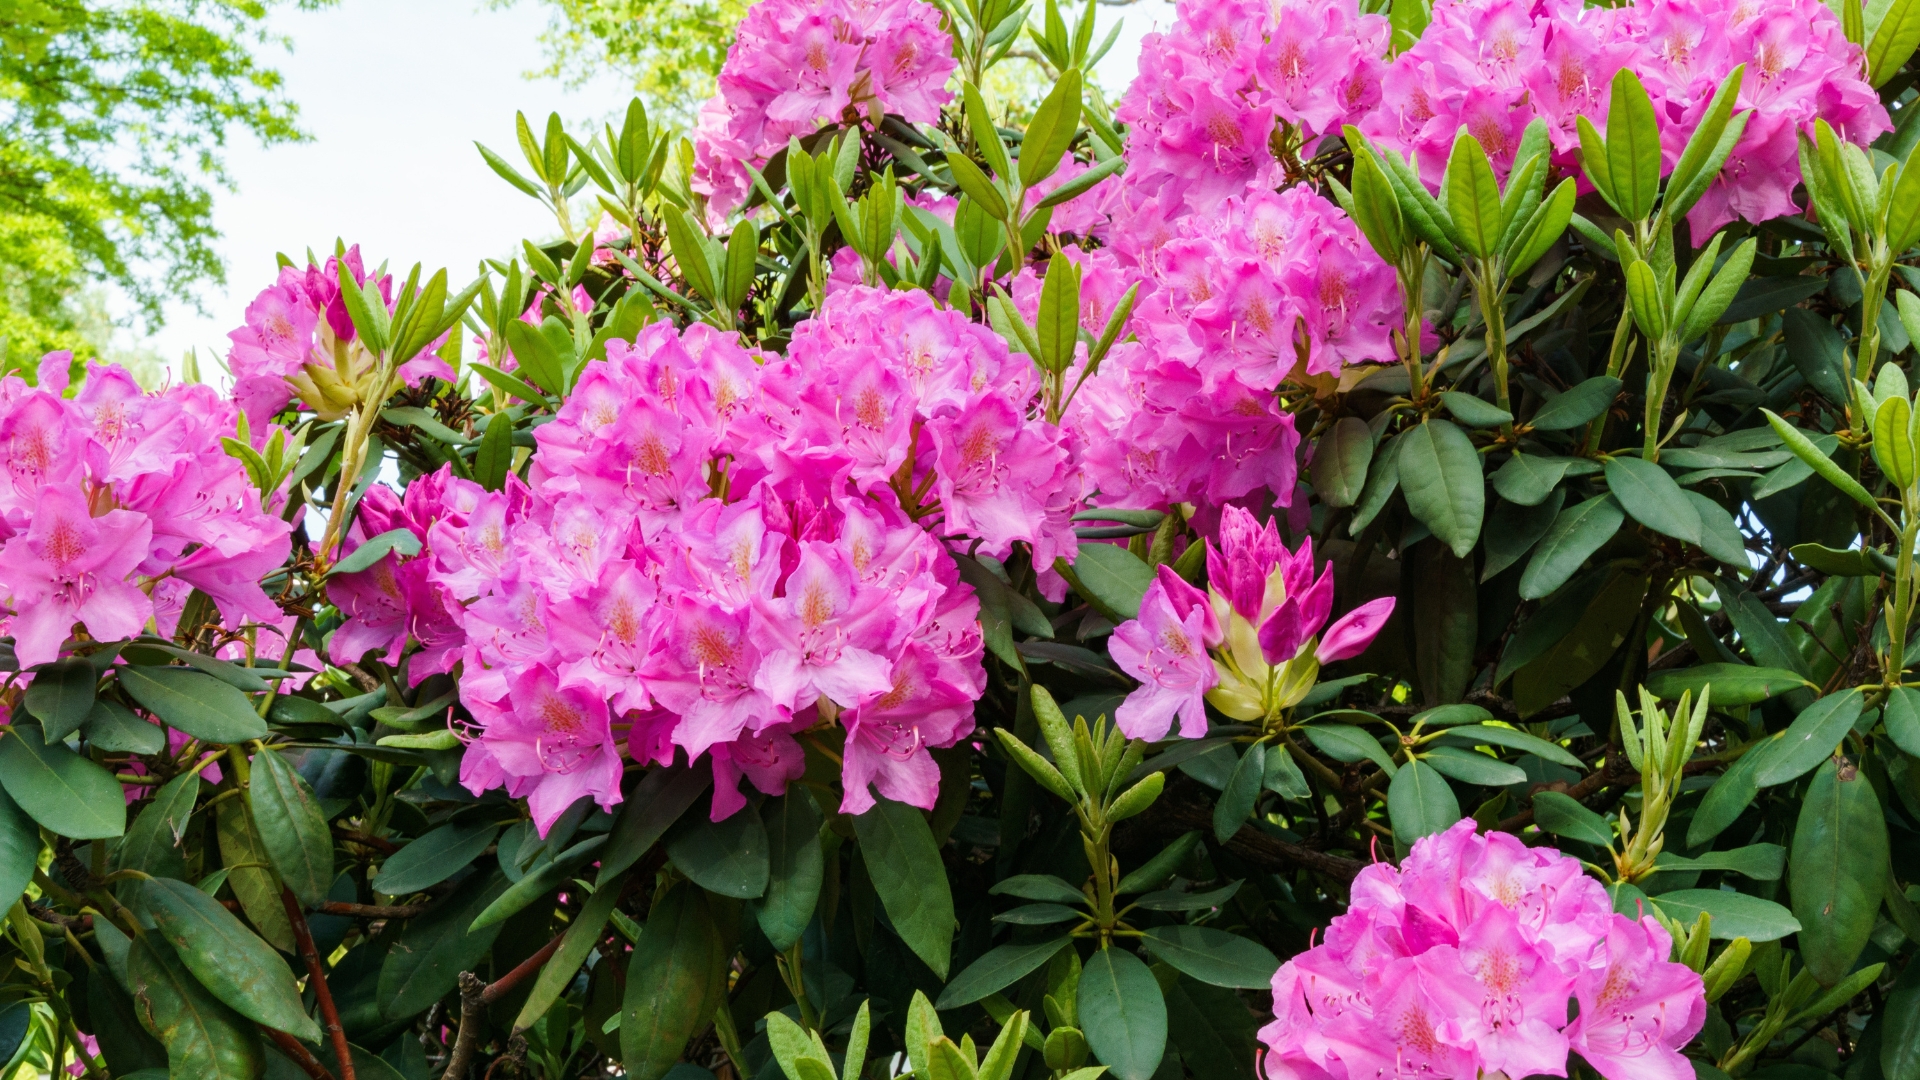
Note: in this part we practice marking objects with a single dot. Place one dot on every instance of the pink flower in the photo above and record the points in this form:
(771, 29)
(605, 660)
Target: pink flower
(888, 735)
(819, 639)
(69, 567)
(553, 745)
(1465, 962)
(1166, 649)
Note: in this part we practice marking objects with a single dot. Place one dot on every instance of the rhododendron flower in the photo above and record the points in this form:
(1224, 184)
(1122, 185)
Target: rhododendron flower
(115, 504)
(796, 65)
(1260, 618)
(395, 600)
(551, 744)
(1464, 962)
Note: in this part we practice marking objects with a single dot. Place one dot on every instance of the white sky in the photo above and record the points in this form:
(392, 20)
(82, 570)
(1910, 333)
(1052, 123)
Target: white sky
(394, 93)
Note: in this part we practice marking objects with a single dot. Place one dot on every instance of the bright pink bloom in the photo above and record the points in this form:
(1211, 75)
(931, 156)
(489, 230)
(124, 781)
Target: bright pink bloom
(553, 745)
(1638, 1011)
(1166, 649)
(71, 567)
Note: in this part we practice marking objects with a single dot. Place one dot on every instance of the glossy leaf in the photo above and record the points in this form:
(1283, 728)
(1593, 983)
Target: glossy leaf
(676, 977)
(1577, 405)
(904, 864)
(1839, 869)
(1733, 684)
(583, 933)
(796, 866)
(1810, 739)
(1512, 738)
(1213, 956)
(1001, 967)
(1420, 803)
(1340, 461)
(1440, 473)
(228, 959)
(1115, 576)
(434, 857)
(1123, 1014)
(58, 788)
(198, 704)
(293, 827)
(1651, 497)
(1236, 803)
(1575, 535)
(1563, 815)
(1734, 914)
(61, 695)
(728, 857)
(205, 1039)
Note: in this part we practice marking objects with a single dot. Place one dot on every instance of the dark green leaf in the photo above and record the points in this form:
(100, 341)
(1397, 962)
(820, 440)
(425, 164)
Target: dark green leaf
(1340, 461)
(495, 455)
(1766, 295)
(113, 727)
(796, 866)
(60, 789)
(674, 982)
(1183, 901)
(1344, 742)
(1420, 802)
(1900, 1033)
(1038, 887)
(1039, 915)
(401, 541)
(1000, 968)
(1123, 1014)
(1810, 739)
(1115, 576)
(1563, 815)
(1647, 493)
(1578, 405)
(19, 849)
(1577, 533)
(1243, 791)
(434, 857)
(1902, 715)
(1527, 479)
(1213, 956)
(1852, 562)
(1383, 479)
(1734, 914)
(542, 879)
(198, 704)
(61, 695)
(653, 808)
(1733, 684)
(1514, 529)
(728, 857)
(1210, 1026)
(1728, 798)
(582, 935)
(904, 864)
(292, 826)
(426, 960)
(228, 959)
(1819, 352)
(1761, 862)
(205, 1039)
(1472, 767)
(1440, 474)
(1839, 869)
(1474, 412)
(1513, 739)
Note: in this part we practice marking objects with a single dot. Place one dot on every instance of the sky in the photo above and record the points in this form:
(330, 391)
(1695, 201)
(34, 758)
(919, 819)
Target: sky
(394, 93)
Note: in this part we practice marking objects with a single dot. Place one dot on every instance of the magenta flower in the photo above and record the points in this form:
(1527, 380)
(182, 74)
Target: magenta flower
(823, 637)
(553, 745)
(888, 736)
(1166, 649)
(1637, 1011)
(69, 567)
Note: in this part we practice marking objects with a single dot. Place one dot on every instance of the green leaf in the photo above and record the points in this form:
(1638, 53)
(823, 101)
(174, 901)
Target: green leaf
(401, 541)
(1899, 1057)
(985, 135)
(113, 727)
(293, 827)
(1242, 792)
(152, 844)
(1123, 1014)
(1652, 498)
(1527, 479)
(1055, 123)
(1578, 405)
(1038, 887)
(1057, 326)
(1633, 147)
(434, 857)
(495, 455)
(1733, 684)
(242, 971)
(1761, 862)
(1513, 739)
(1473, 767)
(1115, 576)
(205, 1039)
(1040, 914)
(1340, 460)
(1819, 353)
(904, 864)
(1473, 196)
(1728, 798)
(556, 975)
(655, 805)
(1344, 742)
(426, 960)
(688, 245)
(1214, 957)
(62, 695)
(1383, 479)
(676, 979)
(1576, 534)
(1563, 815)
(1713, 138)
(58, 788)
(977, 187)
(1893, 445)
(1420, 802)
(1810, 739)
(1472, 411)
(1719, 293)
(545, 877)
(1646, 299)
(796, 867)
(1902, 715)
(1734, 914)
(1001, 967)
(1839, 868)
(1720, 536)
(200, 705)
(728, 857)
(1376, 210)
(1546, 225)
(1889, 50)
(19, 849)
(1440, 474)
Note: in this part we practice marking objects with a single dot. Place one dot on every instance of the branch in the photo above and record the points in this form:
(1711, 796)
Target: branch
(301, 1056)
(1257, 847)
(317, 976)
(504, 985)
(475, 996)
(371, 911)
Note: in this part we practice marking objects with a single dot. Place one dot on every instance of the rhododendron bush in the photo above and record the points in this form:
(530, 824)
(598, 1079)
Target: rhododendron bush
(1381, 545)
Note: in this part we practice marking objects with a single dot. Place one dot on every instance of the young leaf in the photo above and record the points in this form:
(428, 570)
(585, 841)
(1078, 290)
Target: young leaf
(1633, 147)
(1473, 196)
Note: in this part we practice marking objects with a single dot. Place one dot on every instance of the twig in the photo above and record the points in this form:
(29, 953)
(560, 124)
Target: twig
(472, 991)
(504, 985)
(1269, 851)
(370, 911)
(384, 847)
(301, 1056)
(317, 975)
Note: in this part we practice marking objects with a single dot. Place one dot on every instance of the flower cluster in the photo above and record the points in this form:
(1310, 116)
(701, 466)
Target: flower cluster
(115, 504)
(1232, 303)
(1463, 962)
(798, 64)
(1491, 66)
(1204, 107)
(1251, 644)
(299, 343)
(716, 552)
